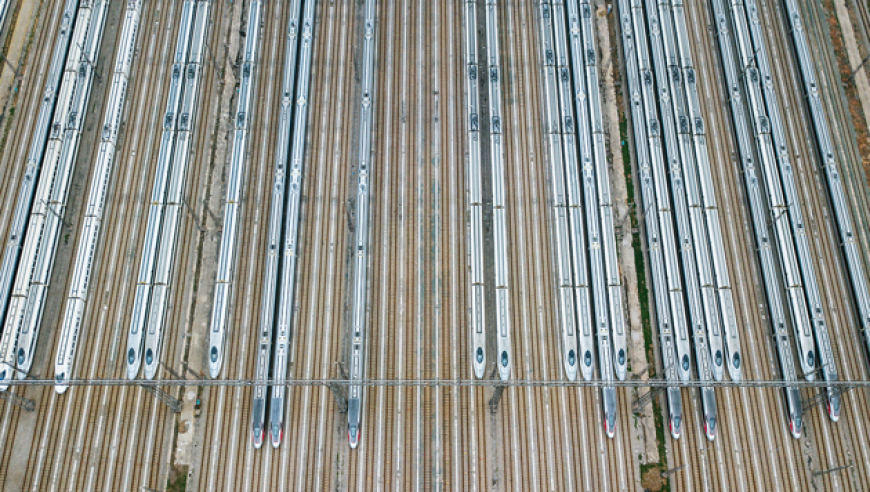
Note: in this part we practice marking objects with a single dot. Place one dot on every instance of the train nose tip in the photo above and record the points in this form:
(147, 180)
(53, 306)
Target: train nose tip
(277, 434)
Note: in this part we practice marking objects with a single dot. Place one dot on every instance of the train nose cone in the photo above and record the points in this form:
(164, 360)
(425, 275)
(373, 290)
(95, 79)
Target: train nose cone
(277, 434)
(60, 385)
(257, 436)
(353, 435)
(479, 363)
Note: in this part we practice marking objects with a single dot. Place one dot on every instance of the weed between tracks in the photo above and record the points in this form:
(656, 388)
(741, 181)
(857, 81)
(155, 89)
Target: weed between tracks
(22, 61)
(859, 121)
(650, 473)
(177, 481)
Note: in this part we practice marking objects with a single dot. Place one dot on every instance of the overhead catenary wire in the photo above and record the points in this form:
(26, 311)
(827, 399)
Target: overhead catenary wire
(521, 383)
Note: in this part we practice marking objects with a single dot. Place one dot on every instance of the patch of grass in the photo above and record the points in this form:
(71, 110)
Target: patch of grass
(651, 478)
(650, 473)
(642, 290)
(177, 481)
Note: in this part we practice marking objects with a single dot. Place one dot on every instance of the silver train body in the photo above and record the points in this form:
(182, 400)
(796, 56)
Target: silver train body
(12, 307)
(552, 126)
(594, 175)
(151, 241)
(696, 242)
(572, 269)
(673, 165)
(4, 9)
(759, 220)
(150, 307)
(692, 236)
(605, 205)
(475, 195)
(768, 151)
(730, 338)
(599, 314)
(96, 199)
(852, 254)
(504, 359)
(359, 285)
(639, 119)
(651, 220)
(276, 223)
(291, 227)
(40, 242)
(663, 208)
(235, 177)
(174, 206)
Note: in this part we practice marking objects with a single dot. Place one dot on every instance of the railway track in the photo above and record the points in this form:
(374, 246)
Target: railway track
(832, 441)
(43, 31)
(738, 409)
(14, 153)
(414, 438)
(228, 467)
(45, 459)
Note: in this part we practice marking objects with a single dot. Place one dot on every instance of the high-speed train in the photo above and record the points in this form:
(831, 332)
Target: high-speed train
(277, 221)
(675, 412)
(53, 90)
(795, 411)
(608, 398)
(358, 290)
(475, 194)
(499, 195)
(708, 408)
(759, 220)
(151, 242)
(838, 200)
(75, 304)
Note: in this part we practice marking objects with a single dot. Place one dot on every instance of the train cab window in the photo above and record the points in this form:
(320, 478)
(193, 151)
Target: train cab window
(620, 357)
(213, 355)
(811, 359)
(571, 358)
(797, 423)
(20, 356)
(685, 362)
(587, 359)
(479, 355)
(504, 358)
(131, 356)
(718, 358)
(60, 378)
(677, 421)
(711, 425)
(149, 356)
